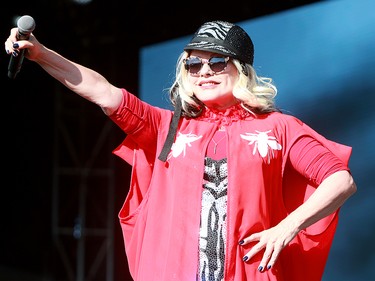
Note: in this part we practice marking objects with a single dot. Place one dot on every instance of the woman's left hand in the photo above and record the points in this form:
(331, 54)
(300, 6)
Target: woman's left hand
(272, 240)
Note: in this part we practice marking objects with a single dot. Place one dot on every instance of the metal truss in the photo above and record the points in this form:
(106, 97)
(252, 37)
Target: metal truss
(83, 211)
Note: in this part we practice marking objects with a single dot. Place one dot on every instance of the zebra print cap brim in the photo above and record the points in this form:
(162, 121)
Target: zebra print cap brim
(223, 38)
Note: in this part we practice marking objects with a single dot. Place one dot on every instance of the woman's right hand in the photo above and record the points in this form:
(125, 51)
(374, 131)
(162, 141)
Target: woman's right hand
(32, 46)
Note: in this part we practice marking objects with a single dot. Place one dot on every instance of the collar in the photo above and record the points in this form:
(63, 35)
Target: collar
(224, 117)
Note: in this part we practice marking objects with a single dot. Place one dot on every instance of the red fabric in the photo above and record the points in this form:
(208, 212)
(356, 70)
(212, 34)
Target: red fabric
(314, 161)
(160, 216)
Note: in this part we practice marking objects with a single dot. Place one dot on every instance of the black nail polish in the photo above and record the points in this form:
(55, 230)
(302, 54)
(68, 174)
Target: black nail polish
(260, 268)
(14, 54)
(15, 45)
(269, 266)
(245, 258)
(241, 242)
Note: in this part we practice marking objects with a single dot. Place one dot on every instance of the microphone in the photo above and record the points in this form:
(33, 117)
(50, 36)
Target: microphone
(26, 25)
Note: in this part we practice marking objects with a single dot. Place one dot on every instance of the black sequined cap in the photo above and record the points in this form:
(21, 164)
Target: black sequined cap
(224, 38)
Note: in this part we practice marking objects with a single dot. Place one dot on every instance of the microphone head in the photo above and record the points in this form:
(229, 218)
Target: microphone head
(26, 24)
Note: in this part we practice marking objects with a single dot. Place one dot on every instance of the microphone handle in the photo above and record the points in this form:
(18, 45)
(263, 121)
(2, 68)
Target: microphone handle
(15, 63)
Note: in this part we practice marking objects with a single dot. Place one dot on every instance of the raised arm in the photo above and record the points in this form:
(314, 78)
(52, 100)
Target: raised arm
(86, 82)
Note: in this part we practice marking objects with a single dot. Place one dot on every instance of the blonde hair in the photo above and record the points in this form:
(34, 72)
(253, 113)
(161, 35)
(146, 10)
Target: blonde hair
(256, 93)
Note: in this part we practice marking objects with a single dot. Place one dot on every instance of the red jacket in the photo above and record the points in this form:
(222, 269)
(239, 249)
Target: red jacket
(161, 214)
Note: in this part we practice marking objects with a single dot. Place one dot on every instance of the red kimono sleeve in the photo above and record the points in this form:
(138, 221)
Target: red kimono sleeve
(306, 256)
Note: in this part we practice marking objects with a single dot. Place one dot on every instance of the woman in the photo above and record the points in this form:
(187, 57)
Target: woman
(226, 187)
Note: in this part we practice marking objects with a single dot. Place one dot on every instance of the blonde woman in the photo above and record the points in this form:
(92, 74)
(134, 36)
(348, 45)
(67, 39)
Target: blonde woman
(226, 187)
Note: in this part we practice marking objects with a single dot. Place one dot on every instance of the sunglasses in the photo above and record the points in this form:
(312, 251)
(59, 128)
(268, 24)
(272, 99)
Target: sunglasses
(195, 64)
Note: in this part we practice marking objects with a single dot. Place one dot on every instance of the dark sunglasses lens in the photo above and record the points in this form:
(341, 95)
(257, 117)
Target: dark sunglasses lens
(218, 64)
(193, 65)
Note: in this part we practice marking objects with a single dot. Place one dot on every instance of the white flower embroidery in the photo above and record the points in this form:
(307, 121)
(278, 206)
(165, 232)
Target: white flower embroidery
(264, 143)
(179, 145)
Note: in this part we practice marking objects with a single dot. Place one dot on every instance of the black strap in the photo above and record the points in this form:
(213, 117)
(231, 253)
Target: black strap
(172, 130)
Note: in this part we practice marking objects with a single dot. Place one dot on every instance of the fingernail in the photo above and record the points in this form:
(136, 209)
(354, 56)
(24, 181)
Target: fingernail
(15, 45)
(260, 268)
(241, 242)
(245, 258)
(14, 54)
(8, 52)
(269, 266)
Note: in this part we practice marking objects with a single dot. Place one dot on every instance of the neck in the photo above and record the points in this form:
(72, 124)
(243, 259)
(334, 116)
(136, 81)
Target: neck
(220, 107)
